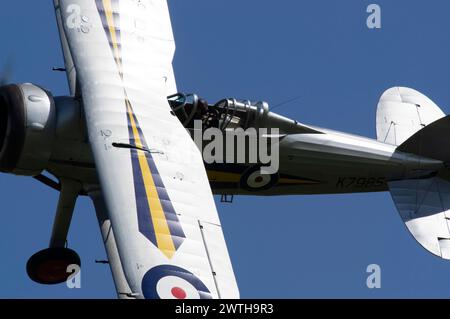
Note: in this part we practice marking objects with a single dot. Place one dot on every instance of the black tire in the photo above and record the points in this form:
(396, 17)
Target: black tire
(49, 266)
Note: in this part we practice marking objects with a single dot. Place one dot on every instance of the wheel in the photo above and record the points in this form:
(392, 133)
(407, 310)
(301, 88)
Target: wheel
(49, 266)
(252, 180)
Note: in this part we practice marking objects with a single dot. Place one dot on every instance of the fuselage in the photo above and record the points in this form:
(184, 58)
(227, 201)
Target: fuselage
(328, 162)
(345, 163)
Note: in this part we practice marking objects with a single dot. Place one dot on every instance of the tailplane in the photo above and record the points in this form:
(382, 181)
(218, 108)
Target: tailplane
(402, 112)
(424, 206)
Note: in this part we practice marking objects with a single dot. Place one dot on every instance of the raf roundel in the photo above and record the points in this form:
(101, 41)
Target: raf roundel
(252, 180)
(171, 282)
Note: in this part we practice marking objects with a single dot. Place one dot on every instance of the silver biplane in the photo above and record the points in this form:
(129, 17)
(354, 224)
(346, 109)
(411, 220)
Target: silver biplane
(122, 138)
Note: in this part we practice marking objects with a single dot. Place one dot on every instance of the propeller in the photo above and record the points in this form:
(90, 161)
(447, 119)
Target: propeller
(6, 72)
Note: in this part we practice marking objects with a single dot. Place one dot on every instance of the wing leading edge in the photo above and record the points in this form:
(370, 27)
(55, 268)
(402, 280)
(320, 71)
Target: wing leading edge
(152, 176)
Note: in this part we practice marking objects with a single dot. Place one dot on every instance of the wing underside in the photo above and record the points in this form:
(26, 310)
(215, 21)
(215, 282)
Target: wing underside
(151, 174)
(424, 206)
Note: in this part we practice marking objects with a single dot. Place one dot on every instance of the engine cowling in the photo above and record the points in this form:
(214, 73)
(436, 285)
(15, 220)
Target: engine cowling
(27, 129)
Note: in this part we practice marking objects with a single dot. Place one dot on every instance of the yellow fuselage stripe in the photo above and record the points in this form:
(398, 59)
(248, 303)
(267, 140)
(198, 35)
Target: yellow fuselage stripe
(296, 181)
(218, 176)
(162, 232)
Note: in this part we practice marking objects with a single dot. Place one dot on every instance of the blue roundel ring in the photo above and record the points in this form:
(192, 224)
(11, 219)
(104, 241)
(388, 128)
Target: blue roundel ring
(160, 273)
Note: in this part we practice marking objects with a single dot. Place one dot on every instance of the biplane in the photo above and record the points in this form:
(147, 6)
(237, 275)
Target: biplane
(124, 136)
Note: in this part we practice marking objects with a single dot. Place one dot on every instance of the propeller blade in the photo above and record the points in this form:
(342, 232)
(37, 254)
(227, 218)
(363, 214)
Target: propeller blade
(6, 72)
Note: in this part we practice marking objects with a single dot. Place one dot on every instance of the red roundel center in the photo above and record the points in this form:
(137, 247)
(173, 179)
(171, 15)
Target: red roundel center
(259, 179)
(178, 293)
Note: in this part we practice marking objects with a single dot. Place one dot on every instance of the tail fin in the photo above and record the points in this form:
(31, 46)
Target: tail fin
(402, 112)
(431, 141)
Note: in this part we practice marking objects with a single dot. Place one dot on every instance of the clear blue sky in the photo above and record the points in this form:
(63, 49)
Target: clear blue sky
(300, 246)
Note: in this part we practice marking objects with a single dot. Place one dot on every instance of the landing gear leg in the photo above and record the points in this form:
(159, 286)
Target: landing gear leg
(49, 266)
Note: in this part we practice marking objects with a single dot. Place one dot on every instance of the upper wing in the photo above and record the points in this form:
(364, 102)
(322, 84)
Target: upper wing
(152, 176)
